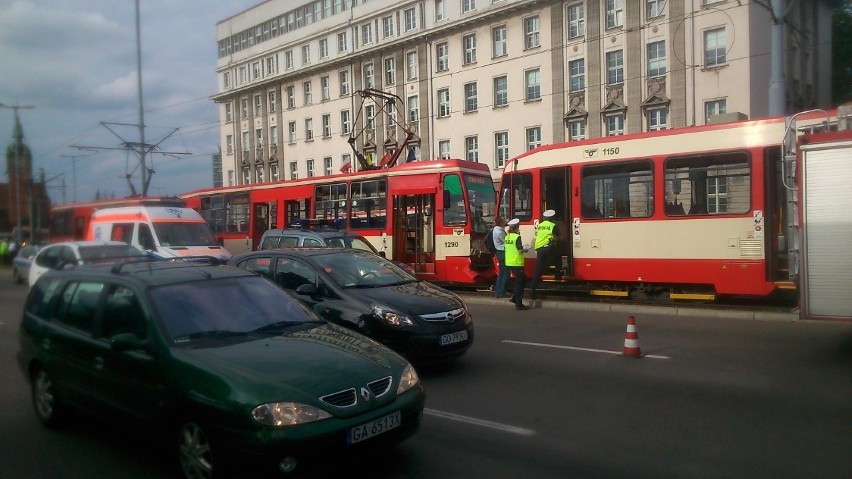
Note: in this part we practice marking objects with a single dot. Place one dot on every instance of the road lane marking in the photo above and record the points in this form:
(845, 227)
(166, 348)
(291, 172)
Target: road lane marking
(588, 350)
(480, 422)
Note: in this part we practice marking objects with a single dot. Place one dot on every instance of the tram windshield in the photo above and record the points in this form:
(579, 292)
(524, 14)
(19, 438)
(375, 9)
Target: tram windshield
(482, 201)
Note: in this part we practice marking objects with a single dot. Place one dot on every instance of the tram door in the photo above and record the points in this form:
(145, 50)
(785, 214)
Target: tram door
(776, 219)
(262, 220)
(555, 195)
(414, 231)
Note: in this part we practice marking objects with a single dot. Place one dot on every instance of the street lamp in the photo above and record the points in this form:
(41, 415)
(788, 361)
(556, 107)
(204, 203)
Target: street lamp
(18, 143)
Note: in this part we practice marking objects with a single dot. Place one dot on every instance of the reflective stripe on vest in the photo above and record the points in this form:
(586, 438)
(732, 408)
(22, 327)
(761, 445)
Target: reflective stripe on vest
(513, 256)
(544, 234)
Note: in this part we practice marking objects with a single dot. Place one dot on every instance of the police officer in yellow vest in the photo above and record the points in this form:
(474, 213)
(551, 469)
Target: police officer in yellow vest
(546, 250)
(514, 251)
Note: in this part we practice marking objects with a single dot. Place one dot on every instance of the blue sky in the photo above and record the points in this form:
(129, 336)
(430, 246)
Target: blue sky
(74, 61)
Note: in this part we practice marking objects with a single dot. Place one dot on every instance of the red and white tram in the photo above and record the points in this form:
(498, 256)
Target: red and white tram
(687, 213)
(432, 215)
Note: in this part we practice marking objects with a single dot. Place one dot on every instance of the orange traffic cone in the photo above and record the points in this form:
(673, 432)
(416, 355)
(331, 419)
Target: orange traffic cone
(631, 340)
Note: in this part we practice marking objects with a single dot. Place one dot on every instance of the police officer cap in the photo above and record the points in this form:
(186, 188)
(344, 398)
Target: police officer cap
(514, 222)
(549, 214)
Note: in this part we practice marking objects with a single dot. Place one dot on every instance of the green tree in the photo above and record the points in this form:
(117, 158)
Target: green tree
(841, 61)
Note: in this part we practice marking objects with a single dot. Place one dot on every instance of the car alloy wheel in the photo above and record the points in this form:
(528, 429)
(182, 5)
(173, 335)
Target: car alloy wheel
(196, 455)
(44, 399)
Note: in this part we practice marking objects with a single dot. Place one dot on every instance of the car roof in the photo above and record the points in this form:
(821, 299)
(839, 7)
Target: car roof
(154, 273)
(325, 232)
(85, 243)
(303, 251)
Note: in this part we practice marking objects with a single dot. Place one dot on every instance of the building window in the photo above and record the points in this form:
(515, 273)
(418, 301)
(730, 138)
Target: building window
(231, 177)
(370, 116)
(226, 79)
(501, 148)
(273, 101)
(443, 102)
(291, 132)
(291, 96)
(345, 162)
(246, 176)
(309, 129)
(614, 13)
(310, 165)
(229, 144)
(345, 122)
(468, 6)
(273, 172)
(369, 76)
(306, 93)
(615, 67)
(533, 138)
(615, 124)
(531, 32)
(243, 74)
(469, 46)
(501, 91)
(657, 59)
(440, 10)
(258, 136)
(444, 149)
(532, 79)
(655, 8)
(442, 54)
(256, 70)
(471, 148)
(714, 107)
(270, 66)
(715, 47)
(657, 119)
(344, 82)
(258, 105)
(326, 165)
(258, 174)
(410, 15)
(243, 108)
(390, 71)
(273, 136)
(498, 41)
(342, 44)
(229, 114)
(387, 27)
(323, 48)
(288, 60)
(325, 88)
(294, 171)
(577, 75)
(576, 21)
(470, 97)
(326, 125)
(413, 109)
(366, 34)
(411, 62)
(245, 144)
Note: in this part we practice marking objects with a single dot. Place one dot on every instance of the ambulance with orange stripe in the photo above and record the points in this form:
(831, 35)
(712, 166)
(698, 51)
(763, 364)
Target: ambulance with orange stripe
(165, 232)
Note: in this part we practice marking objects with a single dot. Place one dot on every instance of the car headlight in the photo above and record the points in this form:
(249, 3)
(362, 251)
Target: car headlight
(391, 317)
(408, 380)
(287, 414)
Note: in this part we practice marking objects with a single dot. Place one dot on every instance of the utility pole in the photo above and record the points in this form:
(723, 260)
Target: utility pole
(777, 88)
(18, 144)
(145, 178)
(74, 171)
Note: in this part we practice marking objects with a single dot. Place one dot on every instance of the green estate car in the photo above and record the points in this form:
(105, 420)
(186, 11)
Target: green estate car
(233, 370)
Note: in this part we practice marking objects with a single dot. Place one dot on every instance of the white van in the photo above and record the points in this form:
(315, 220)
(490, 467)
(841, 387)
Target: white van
(167, 232)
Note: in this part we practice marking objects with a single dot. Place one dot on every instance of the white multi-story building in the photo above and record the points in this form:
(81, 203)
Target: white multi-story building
(486, 80)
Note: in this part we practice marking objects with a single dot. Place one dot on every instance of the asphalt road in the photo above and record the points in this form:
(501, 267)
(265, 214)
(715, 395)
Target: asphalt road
(544, 394)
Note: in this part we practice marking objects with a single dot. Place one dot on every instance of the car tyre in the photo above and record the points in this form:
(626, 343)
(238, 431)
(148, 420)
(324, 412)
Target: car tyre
(195, 451)
(45, 403)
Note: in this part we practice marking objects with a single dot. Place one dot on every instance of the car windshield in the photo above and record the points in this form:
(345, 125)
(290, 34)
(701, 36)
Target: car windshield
(355, 242)
(107, 252)
(226, 307)
(184, 234)
(356, 269)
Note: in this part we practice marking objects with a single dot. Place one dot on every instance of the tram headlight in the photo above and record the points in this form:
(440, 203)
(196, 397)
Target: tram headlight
(391, 316)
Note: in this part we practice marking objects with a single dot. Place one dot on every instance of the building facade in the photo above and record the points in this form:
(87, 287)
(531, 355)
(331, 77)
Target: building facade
(23, 200)
(486, 80)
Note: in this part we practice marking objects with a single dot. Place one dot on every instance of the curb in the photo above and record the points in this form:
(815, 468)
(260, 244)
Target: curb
(673, 310)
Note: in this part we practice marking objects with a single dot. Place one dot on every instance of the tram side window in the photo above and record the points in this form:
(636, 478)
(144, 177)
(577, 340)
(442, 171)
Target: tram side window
(455, 213)
(624, 190)
(330, 201)
(369, 204)
(237, 213)
(708, 184)
(212, 210)
(515, 196)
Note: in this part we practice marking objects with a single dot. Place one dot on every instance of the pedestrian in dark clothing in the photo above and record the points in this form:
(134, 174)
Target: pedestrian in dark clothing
(499, 236)
(546, 250)
(515, 249)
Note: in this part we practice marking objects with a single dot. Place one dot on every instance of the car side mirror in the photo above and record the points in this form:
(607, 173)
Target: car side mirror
(127, 342)
(307, 289)
(383, 254)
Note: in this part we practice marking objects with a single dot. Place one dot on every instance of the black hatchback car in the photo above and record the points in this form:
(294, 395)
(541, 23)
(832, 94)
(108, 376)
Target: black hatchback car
(371, 295)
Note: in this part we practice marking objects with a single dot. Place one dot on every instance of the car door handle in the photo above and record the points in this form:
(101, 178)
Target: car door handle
(99, 363)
